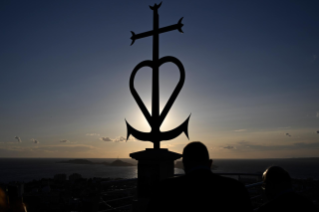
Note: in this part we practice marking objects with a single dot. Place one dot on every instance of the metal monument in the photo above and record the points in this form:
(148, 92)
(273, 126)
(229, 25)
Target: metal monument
(156, 119)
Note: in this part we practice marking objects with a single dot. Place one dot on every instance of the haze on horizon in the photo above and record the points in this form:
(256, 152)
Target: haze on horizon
(252, 77)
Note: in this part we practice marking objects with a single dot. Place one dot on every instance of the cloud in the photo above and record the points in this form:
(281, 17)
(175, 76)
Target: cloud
(304, 145)
(120, 139)
(241, 130)
(317, 115)
(64, 141)
(116, 140)
(315, 57)
(106, 139)
(14, 149)
(92, 134)
(246, 145)
(64, 148)
(18, 139)
(287, 134)
(228, 147)
(34, 141)
(165, 145)
(47, 150)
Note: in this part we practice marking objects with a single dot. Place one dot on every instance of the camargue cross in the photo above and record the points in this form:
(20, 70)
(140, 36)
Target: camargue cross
(156, 119)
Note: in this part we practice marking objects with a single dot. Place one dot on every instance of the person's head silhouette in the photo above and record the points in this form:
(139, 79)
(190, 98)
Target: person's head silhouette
(276, 180)
(195, 155)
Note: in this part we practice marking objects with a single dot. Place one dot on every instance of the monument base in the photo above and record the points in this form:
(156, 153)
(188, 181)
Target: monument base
(153, 166)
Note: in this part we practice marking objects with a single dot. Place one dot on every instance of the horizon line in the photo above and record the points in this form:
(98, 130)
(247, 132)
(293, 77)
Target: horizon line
(134, 159)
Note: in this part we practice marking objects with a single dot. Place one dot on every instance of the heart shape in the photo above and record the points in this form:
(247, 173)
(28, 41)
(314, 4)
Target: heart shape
(172, 98)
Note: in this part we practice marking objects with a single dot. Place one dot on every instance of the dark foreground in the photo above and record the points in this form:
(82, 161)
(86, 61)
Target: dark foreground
(100, 194)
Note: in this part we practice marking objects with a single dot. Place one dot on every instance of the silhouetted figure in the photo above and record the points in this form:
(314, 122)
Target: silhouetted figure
(281, 197)
(11, 201)
(199, 189)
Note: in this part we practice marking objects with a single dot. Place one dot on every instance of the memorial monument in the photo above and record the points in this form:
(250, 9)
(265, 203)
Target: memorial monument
(155, 164)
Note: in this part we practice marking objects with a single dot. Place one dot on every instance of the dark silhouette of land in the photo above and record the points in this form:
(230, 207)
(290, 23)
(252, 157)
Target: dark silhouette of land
(61, 195)
(117, 162)
(77, 161)
(84, 193)
(120, 163)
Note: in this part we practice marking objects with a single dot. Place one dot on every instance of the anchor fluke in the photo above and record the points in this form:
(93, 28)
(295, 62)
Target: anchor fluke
(183, 128)
(133, 37)
(143, 136)
(180, 25)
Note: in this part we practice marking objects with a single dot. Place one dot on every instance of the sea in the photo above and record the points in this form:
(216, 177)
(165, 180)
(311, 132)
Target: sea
(28, 169)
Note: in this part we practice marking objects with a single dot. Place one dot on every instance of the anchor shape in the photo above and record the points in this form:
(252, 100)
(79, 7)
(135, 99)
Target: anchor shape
(155, 120)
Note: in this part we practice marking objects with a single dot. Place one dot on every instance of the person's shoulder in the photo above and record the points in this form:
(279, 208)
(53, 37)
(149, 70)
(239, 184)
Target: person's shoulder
(168, 186)
(176, 178)
(172, 180)
(229, 181)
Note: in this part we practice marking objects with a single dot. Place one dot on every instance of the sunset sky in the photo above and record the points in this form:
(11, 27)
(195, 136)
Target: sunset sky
(252, 77)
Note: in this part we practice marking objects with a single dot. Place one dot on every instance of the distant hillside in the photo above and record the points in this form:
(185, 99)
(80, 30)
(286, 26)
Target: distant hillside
(85, 161)
(82, 161)
(77, 161)
(120, 163)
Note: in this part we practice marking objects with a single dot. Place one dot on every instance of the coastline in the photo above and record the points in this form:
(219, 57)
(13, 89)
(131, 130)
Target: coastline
(25, 170)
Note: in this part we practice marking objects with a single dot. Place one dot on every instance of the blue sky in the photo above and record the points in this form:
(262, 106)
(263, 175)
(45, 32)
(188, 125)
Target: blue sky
(252, 70)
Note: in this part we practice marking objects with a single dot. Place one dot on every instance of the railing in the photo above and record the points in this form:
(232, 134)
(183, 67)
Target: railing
(231, 173)
(128, 191)
(128, 206)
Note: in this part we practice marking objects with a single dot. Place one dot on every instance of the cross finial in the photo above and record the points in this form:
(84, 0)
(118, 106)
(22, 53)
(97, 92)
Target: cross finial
(156, 6)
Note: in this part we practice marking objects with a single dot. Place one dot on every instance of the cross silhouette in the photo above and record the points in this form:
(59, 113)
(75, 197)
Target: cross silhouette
(155, 120)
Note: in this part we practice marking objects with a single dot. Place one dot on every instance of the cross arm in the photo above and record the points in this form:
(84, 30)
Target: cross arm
(141, 35)
(177, 26)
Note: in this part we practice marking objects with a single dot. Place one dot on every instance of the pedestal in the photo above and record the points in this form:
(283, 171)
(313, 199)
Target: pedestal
(153, 165)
